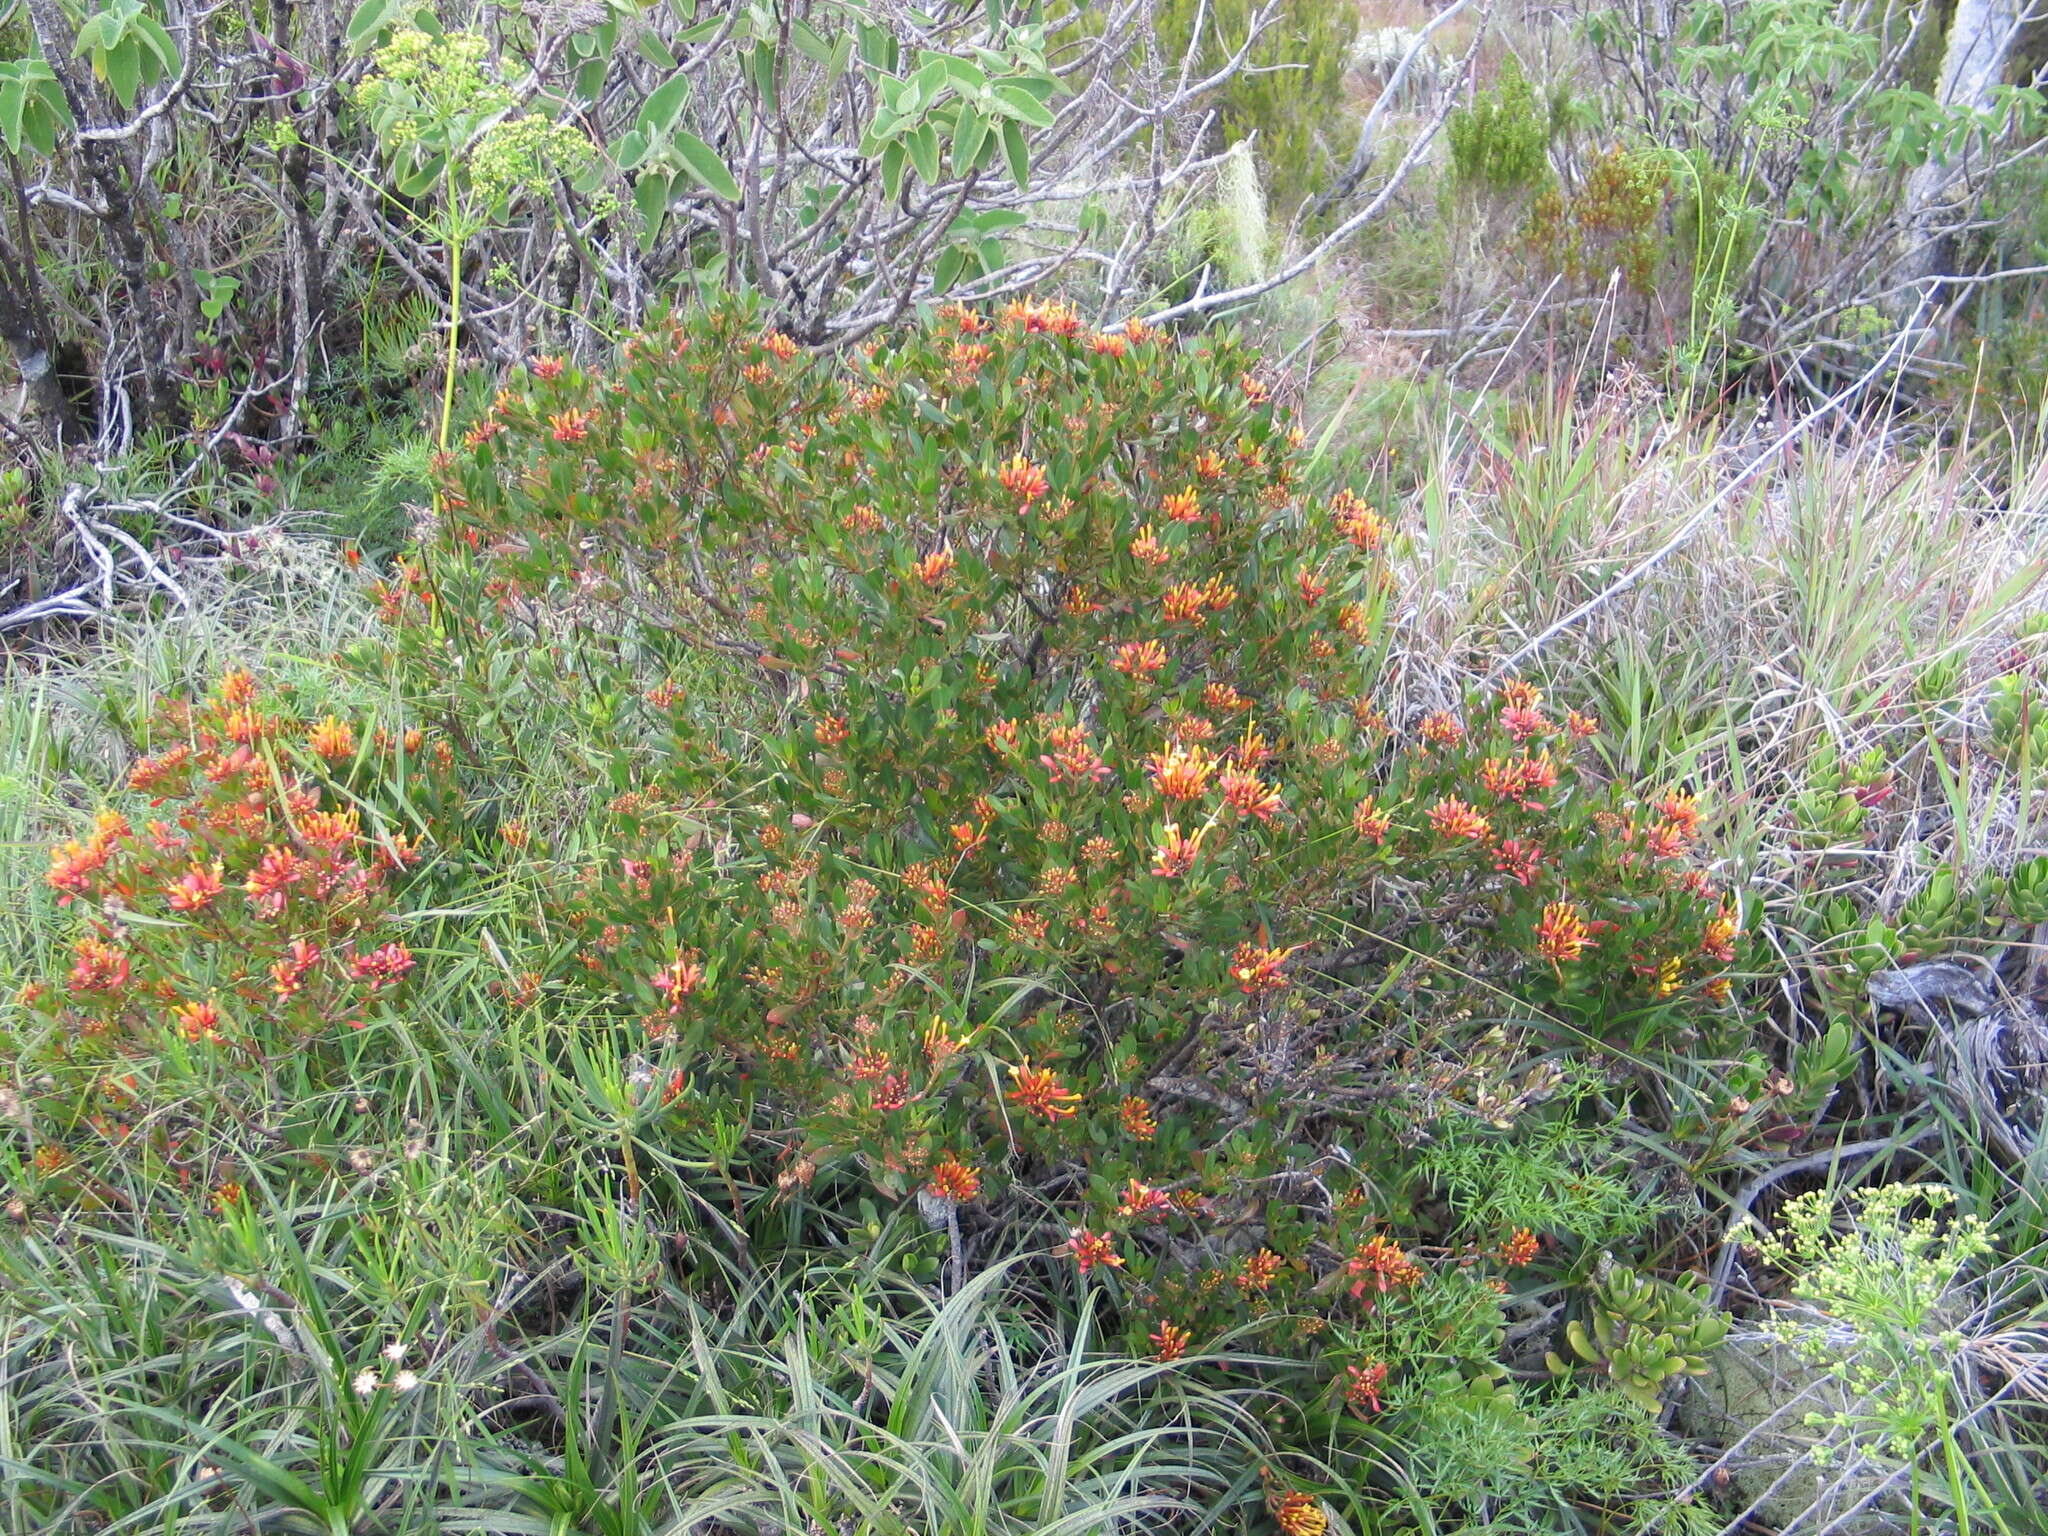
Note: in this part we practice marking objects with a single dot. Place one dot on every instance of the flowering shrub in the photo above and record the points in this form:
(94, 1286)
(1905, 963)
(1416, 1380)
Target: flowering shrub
(1076, 825)
(238, 919)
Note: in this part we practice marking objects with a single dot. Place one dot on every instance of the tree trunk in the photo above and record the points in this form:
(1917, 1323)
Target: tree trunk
(1980, 44)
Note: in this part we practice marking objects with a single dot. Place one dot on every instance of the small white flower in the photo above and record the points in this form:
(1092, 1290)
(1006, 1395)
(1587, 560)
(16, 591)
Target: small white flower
(394, 1351)
(404, 1381)
(365, 1383)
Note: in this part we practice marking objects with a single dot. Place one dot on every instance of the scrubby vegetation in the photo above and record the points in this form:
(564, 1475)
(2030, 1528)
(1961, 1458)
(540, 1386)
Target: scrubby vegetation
(795, 768)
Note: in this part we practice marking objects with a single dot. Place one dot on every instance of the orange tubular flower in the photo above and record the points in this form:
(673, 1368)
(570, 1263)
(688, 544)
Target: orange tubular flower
(337, 829)
(72, 867)
(1681, 810)
(100, 967)
(1184, 603)
(569, 426)
(270, 881)
(1182, 773)
(1141, 1202)
(198, 1022)
(676, 982)
(782, 348)
(1441, 730)
(1169, 1342)
(1147, 548)
(1378, 1268)
(1182, 506)
(1515, 693)
(1298, 1514)
(1562, 934)
(1256, 969)
(1260, 1270)
(1370, 822)
(333, 738)
(1023, 479)
(1718, 941)
(1248, 794)
(1109, 343)
(1089, 1249)
(954, 1180)
(1363, 1384)
(1311, 584)
(289, 975)
(195, 890)
(1521, 1248)
(1224, 699)
(1455, 819)
(384, 966)
(1582, 726)
(1138, 658)
(1176, 854)
(1209, 465)
(934, 568)
(1040, 1091)
(237, 688)
(153, 773)
(1519, 861)
(1136, 1117)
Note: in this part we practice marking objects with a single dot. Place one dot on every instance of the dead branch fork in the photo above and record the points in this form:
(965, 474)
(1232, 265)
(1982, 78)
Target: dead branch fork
(114, 566)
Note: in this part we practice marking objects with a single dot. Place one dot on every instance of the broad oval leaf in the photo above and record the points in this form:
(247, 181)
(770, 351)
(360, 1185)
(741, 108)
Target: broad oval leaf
(704, 166)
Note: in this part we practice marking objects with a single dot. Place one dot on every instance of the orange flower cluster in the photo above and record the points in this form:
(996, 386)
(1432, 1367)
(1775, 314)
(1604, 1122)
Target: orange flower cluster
(1363, 1384)
(1562, 933)
(1176, 854)
(1169, 1342)
(1455, 819)
(1089, 1249)
(1256, 969)
(1023, 479)
(954, 1180)
(1249, 795)
(1141, 1202)
(1135, 1115)
(1181, 773)
(1040, 1091)
(1378, 1268)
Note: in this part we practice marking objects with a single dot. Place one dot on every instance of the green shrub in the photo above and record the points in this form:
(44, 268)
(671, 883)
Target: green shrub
(1500, 144)
(1292, 91)
(1066, 885)
(1077, 802)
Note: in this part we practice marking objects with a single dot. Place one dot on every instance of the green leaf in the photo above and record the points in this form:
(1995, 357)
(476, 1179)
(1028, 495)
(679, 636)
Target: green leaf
(1013, 101)
(968, 136)
(842, 56)
(656, 52)
(704, 166)
(947, 271)
(878, 48)
(923, 144)
(762, 64)
(123, 68)
(632, 150)
(894, 158)
(158, 42)
(664, 104)
(371, 18)
(1019, 154)
(421, 179)
(651, 197)
(808, 42)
